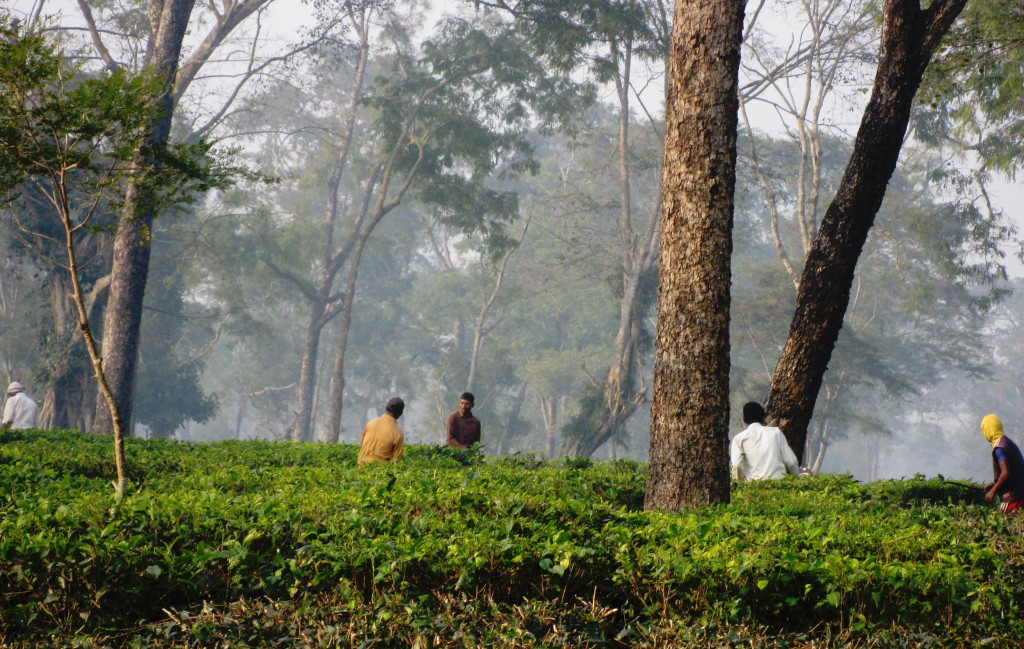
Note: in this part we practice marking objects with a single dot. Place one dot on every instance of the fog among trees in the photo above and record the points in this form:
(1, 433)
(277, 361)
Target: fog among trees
(433, 197)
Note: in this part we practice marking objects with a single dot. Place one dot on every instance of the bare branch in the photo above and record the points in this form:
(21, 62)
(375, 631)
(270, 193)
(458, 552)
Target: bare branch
(234, 14)
(97, 41)
(301, 284)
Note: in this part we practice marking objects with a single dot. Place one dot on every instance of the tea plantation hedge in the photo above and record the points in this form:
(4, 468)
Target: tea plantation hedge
(255, 544)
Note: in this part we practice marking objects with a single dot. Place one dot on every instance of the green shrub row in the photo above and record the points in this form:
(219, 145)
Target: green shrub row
(213, 533)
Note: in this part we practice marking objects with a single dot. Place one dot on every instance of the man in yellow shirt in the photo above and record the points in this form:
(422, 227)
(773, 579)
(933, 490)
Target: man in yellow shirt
(382, 439)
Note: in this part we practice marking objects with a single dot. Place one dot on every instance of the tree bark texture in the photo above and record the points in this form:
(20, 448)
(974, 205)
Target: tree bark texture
(68, 400)
(123, 320)
(689, 465)
(910, 36)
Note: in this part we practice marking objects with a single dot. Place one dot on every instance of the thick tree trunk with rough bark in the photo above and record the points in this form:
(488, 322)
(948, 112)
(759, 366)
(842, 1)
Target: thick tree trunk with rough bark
(909, 37)
(689, 465)
(168, 24)
(123, 320)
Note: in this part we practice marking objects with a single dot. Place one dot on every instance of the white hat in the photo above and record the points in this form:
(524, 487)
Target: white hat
(15, 387)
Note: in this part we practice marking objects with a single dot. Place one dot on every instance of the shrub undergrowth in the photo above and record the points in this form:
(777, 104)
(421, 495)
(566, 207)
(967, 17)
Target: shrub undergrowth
(257, 544)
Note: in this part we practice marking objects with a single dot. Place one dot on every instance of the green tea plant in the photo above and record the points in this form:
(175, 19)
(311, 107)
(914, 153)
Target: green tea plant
(245, 543)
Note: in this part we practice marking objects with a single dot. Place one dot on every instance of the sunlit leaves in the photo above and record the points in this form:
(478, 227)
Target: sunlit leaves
(396, 550)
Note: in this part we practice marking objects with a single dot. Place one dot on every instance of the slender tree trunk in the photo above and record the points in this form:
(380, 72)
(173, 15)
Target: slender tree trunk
(130, 270)
(240, 417)
(332, 260)
(360, 235)
(549, 412)
(689, 465)
(819, 455)
(620, 395)
(909, 37)
(333, 433)
(482, 325)
(117, 422)
(307, 373)
(873, 457)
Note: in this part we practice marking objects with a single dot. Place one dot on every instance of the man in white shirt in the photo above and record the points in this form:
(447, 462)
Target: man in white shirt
(760, 452)
(19, 411)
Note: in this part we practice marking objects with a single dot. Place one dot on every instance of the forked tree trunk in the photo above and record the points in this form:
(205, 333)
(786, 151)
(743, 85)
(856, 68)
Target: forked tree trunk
(909, 37)
(380, 210)
(360, 235)
(689, 465)
(332, 259)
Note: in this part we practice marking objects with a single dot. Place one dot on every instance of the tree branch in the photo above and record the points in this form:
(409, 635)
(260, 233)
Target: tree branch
(234, 14)
(97, 41)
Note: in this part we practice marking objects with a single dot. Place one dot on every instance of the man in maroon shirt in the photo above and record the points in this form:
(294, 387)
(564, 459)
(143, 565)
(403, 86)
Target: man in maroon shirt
(463, 427)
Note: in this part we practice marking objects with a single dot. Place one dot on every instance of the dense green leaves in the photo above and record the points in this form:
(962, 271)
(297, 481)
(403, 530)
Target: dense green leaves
(240, 542)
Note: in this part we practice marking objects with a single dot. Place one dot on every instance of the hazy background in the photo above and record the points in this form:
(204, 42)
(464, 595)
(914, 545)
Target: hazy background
(502, 268)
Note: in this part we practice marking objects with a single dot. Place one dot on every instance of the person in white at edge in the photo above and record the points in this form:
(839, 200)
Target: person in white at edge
(19, 411)
(760, 451)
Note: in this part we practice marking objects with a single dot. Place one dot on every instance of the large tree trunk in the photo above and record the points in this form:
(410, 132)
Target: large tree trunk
(909, 37)
(130, 270)
(168, 23)
(689, 464)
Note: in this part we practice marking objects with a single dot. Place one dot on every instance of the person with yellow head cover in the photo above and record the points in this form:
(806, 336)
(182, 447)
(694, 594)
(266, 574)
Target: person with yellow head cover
(1007, 467)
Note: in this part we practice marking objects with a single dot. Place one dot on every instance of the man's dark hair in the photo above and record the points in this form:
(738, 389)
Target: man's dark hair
(468, 396)
(395, 406)
(753, 413)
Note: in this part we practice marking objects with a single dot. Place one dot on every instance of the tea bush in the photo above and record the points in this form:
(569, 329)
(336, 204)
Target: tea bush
(257, 544)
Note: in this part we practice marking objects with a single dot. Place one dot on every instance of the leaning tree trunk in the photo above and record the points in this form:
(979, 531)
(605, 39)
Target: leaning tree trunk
(909, 37)
(130, 270)
(689, 465)
(333, 433)
(619, 399)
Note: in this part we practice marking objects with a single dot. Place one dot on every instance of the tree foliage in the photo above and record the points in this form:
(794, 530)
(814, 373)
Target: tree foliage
(60, 129)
